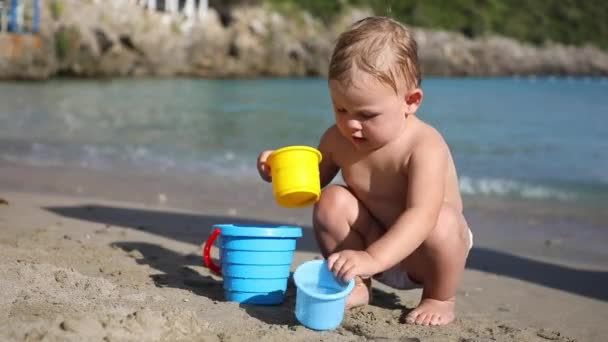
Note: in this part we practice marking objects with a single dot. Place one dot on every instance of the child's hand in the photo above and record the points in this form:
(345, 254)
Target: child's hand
(263, 167)
(348, 264)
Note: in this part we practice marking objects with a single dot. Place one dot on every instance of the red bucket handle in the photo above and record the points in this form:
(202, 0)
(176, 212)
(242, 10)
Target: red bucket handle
(206, 252)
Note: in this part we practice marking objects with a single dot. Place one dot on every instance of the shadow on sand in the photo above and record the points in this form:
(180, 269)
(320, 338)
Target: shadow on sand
(194, 229)
(176, 268)
(177, 273)
(593, 284)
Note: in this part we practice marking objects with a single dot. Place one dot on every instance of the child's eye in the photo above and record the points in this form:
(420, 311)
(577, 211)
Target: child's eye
(340, 110)
(369, 115)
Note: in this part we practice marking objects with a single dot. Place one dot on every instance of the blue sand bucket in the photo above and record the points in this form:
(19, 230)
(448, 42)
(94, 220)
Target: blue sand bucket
(254, 261)
(321, 297)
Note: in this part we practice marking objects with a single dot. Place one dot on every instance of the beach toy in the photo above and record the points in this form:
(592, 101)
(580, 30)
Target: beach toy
(295, 175)
(320, 297)
(254, 261)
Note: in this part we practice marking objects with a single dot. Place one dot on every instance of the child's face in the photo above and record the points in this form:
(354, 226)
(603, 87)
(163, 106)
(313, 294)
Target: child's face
(368, 113)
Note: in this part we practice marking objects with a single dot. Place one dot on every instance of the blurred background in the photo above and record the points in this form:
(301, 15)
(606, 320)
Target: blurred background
(196, 88)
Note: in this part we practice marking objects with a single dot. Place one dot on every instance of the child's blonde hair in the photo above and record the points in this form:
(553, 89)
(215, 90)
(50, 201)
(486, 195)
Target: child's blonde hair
(380, 46)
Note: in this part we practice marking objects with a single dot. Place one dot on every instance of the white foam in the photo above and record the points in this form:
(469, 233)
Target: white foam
(231, 163)
(505, 187)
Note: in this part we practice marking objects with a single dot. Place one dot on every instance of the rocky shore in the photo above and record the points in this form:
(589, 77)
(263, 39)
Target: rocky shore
(121, 39)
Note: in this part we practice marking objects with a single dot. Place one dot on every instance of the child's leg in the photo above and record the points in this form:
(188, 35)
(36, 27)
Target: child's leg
(342, 222)
(438, 265)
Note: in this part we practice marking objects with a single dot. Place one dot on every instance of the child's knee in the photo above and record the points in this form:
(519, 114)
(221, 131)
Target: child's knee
(333, 206)
(450, 229)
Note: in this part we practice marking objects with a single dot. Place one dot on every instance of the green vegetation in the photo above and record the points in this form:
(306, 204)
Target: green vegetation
(325, 10)
(175, 27)
(575, 22)
(65, 39)
(56, 8)
(62, 44)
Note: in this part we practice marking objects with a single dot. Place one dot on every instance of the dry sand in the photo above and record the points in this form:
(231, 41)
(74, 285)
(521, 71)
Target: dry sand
(79, 268)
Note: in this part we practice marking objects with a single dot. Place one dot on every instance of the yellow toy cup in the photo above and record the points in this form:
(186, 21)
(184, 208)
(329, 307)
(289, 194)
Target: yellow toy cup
(295, 175)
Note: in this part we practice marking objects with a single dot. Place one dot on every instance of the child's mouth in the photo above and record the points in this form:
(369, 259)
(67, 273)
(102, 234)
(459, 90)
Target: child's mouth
(358, 140)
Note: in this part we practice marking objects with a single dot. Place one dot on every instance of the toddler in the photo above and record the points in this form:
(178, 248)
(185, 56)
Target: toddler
(399, 216)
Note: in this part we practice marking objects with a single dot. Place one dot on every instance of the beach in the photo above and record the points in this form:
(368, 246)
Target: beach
(93, 255)
(143, 132)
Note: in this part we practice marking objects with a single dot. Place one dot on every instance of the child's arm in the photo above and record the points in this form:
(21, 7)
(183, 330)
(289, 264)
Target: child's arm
(425, 195)
(426, 174)
(327, 168)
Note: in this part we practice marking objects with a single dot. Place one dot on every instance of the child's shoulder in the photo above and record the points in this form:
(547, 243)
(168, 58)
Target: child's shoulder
(428, 137)
(332, 135)
(332, 142)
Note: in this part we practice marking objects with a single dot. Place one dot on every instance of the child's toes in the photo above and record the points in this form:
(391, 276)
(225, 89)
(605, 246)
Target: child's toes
(417, 317)
(411, 317)
(432, 312)
(435, 319)
(425, 319)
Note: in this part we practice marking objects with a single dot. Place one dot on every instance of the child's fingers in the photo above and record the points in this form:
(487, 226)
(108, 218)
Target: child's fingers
(346, 269)
(350, 274)
(335, 263)
(331, 260)
(263, 157)
(264, 170)
(263, 167)
(343, 268)
(337, 266)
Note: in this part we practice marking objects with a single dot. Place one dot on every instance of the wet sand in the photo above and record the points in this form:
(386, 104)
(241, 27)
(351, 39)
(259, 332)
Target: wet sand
(98, 255)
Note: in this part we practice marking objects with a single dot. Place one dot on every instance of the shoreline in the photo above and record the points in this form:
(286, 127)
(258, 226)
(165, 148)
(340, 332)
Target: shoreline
(577, 236)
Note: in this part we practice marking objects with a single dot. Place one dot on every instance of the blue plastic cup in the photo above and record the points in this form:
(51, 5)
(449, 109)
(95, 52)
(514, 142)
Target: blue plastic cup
(320, 298)
(254, 261)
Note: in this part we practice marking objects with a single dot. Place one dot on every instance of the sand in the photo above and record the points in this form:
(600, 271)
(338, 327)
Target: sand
(87, 266)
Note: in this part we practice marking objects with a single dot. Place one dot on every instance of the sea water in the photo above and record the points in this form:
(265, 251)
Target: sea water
(544, 139)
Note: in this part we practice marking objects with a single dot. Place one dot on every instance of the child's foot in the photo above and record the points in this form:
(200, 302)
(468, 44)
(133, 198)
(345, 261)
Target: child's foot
(361, 294)
(432, 312)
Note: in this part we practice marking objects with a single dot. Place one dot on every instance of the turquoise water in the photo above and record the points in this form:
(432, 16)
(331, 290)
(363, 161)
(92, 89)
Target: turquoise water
(534, 138)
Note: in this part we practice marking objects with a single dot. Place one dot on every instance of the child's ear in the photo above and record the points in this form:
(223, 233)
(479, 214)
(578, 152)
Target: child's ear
(413, 99)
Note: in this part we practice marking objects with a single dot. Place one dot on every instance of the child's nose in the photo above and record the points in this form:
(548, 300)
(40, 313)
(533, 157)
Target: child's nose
(354, 125)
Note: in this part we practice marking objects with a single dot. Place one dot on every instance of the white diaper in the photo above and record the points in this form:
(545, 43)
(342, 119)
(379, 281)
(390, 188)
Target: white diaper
(397, 278)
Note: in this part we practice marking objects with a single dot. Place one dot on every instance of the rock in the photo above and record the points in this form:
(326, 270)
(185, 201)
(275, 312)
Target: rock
(93, 39)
